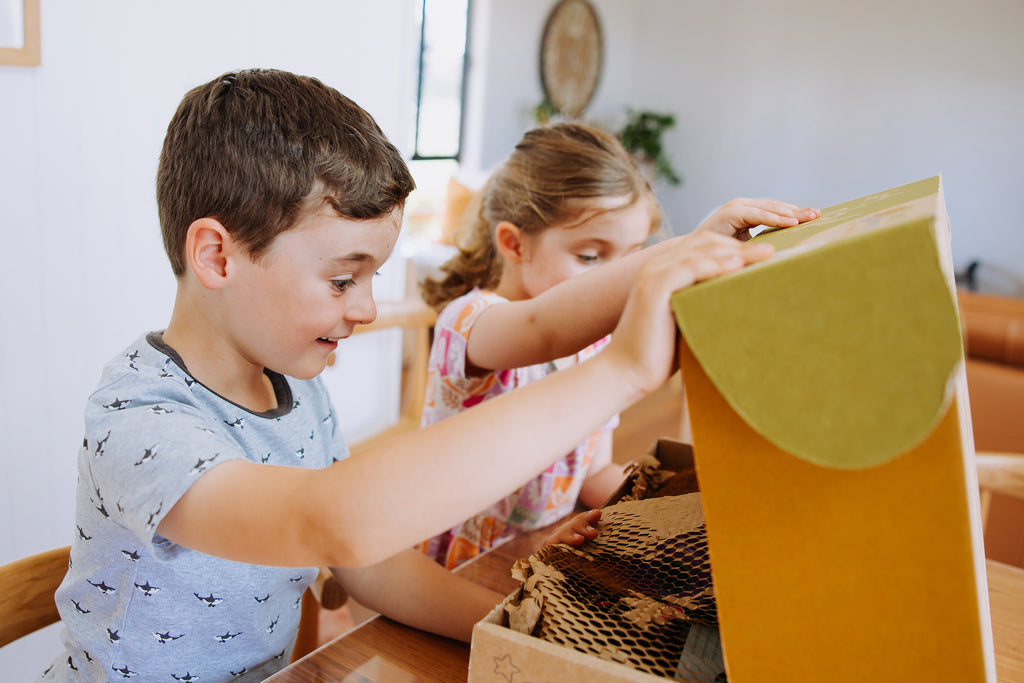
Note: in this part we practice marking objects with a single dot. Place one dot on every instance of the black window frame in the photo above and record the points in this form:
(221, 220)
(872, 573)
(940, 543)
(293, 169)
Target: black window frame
(457, 155)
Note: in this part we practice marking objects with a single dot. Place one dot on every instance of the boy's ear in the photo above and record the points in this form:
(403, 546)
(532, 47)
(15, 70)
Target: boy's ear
(509, 240)
(207, 247)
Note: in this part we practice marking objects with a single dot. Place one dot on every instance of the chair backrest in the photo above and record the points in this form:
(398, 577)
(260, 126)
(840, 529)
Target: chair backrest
(26, 593)
(1001, 473)
(1001, 480)
(416, 319)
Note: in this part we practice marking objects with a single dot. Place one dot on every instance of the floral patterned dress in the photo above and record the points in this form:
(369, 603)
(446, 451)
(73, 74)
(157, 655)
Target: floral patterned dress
(545, 499)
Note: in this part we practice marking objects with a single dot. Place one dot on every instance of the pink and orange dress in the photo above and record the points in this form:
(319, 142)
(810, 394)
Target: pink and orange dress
(547, 498)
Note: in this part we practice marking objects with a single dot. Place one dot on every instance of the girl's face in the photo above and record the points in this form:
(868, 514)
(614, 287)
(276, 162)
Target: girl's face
(556, 254)
(312, 287)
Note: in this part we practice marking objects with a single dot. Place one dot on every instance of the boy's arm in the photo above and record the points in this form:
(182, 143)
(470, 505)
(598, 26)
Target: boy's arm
(579, 311)
(372, 505)
(416, 591)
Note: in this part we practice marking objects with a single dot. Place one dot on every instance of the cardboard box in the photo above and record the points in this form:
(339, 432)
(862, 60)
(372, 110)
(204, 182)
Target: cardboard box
(831, 431)
(832, 441)
(502, 654)
(672, 455)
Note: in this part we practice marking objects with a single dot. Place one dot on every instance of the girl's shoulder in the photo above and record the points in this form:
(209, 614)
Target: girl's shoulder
(461, 313)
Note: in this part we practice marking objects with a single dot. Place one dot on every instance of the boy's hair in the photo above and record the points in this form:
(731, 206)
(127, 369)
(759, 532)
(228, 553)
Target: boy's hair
(258, 149)
(547, 180)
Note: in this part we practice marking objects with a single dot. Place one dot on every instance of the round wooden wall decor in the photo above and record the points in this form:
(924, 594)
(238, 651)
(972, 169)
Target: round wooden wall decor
(570, 56)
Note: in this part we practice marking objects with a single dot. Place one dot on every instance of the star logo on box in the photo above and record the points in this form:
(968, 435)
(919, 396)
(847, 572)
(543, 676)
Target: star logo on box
(504, 667)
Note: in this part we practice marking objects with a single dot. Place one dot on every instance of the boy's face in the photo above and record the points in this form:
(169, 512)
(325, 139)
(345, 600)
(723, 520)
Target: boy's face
(554, 255)
(309, 290)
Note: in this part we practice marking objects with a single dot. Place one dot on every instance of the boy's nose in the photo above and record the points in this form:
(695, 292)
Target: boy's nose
(363, 310)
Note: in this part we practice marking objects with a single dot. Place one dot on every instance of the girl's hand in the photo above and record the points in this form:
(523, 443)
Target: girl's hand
(578, 529)
(739, 215)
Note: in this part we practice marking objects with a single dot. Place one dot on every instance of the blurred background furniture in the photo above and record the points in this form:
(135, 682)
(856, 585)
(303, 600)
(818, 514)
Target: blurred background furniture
(993, 327)
(416, 321)
(1001, 480)
(994, 348)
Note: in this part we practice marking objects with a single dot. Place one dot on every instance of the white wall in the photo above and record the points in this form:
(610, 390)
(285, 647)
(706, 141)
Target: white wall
(82, 270)
(807, 100)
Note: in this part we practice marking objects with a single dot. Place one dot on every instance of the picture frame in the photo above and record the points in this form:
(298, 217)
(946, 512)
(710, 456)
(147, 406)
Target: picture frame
(19, 33)
(571, 56)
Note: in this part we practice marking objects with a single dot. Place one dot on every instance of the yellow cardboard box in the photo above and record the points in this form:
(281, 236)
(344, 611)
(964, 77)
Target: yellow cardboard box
(832, 439)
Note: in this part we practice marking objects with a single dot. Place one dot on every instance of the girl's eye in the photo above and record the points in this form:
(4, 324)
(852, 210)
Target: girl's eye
(587, 258)
(342, 285)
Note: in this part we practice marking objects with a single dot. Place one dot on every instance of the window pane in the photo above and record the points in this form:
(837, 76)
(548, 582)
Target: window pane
(439, 114)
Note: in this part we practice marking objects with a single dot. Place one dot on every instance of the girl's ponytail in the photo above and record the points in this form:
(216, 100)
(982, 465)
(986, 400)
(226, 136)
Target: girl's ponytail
(477, 263)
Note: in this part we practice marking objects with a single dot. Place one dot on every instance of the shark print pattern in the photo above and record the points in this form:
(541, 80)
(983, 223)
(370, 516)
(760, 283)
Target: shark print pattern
(137, 606)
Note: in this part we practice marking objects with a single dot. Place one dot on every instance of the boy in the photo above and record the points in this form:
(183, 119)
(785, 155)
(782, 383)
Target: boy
(212, 477)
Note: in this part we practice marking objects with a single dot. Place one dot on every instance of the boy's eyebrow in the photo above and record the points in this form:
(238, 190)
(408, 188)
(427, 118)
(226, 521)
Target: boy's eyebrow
(347, 259)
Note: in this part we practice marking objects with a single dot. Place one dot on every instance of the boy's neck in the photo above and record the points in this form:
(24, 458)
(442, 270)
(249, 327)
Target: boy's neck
(216, 363)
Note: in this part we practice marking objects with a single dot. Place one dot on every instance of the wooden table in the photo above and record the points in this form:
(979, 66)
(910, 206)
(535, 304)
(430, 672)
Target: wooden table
(386, 651)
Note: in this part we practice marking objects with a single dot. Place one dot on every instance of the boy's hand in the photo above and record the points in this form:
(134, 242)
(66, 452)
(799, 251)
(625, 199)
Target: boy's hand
(739, 215)
(644, 341)
(578, 529)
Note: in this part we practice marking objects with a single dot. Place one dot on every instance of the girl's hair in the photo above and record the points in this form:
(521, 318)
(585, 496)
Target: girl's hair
(547, 181)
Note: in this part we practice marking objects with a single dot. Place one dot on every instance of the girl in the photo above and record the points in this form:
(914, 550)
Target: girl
(569, 198)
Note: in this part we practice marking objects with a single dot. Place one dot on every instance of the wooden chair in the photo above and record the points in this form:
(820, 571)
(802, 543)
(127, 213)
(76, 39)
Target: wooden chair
(416, 320)
(26, 593)
(1001, 480)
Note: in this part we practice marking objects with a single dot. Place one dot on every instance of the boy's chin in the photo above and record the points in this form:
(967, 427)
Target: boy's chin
(301, 371)
(308, 374)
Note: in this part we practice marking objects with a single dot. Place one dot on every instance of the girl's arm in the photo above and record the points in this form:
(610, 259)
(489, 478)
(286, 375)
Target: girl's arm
(370, 506)
(579, 311)
(603, 475)
(579, 528)
(414, 590)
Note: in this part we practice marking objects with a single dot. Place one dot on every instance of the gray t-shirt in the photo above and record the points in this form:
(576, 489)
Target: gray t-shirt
(135, 605)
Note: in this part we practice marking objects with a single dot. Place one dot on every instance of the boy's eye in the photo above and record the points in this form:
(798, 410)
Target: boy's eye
(342, 285)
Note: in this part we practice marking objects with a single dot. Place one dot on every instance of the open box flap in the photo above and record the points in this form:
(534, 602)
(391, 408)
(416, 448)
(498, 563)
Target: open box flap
(841, 352)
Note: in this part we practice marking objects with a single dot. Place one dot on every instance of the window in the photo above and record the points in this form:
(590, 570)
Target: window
(440, 94)
(442, 79)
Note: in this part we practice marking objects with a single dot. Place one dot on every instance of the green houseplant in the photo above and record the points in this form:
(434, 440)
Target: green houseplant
(642, 135)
